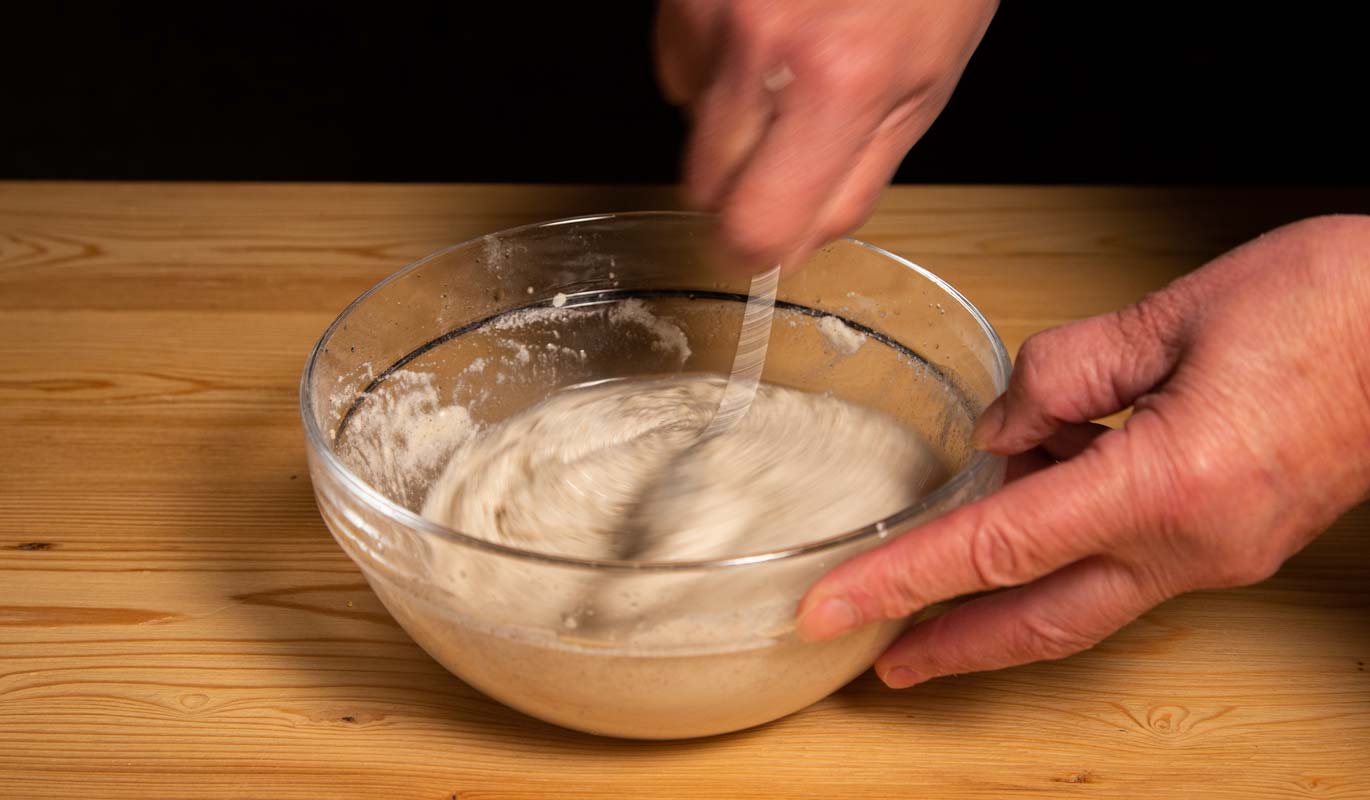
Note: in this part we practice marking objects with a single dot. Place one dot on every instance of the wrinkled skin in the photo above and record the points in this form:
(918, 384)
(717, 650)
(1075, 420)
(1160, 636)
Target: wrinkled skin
(794, 166)
(1250, 384)
(1250, 378)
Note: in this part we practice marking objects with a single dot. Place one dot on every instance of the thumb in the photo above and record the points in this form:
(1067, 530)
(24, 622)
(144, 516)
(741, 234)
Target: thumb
(1085, 370)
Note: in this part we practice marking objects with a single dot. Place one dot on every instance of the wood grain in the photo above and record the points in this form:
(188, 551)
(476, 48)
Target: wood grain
(175, 620)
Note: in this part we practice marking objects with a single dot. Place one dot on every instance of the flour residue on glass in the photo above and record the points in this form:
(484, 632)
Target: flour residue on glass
(669, 337)
(402, 432)
(840, 336)
(666, 335)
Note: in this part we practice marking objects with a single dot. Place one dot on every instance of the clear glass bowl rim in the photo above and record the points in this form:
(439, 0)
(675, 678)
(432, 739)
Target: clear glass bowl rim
(364, 492)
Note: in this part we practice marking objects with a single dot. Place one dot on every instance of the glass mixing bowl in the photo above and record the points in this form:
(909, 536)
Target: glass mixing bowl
(656, 650)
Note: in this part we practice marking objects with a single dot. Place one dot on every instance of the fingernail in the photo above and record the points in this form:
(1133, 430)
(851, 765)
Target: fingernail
(829, 619)
(900, 678)
(989, 425)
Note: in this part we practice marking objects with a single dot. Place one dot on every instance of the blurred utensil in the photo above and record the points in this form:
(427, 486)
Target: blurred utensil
(738, 394)
(750, 358)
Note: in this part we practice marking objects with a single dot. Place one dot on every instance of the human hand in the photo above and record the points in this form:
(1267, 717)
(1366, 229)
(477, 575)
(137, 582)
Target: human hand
(1250, 384)
(803, 109)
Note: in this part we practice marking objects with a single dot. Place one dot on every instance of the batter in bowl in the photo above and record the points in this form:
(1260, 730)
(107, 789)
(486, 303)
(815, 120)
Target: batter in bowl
(562, 476)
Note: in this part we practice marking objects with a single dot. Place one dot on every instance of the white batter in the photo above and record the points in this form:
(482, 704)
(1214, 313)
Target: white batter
(562, 476)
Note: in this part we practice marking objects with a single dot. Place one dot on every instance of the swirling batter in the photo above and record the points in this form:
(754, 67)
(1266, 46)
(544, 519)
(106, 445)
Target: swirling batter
(562, 476)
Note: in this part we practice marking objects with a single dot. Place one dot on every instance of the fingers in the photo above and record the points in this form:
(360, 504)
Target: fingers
(732, 113)
(855, 197)
(1027, 529)
(792, 163)
(1062, 614)
(1024, 464)
(686, 35)
(1085, 370)
(729, 120)
(822, 125)
(1073, 439)
(1068, 442)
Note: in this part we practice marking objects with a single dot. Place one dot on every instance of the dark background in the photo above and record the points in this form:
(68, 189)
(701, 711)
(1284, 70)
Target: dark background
(518, 91)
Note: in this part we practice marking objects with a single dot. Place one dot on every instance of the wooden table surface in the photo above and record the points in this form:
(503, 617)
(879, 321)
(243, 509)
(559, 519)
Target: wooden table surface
(175, 620)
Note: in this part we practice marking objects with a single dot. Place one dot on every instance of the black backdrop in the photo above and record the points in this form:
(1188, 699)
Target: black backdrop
(517, 91)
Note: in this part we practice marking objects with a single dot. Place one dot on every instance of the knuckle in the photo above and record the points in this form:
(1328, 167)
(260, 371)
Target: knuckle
(1267, 562)
(1242, 563)
(1133, 322)
(998, 557)
(1066, 371)
(1326, 227)
(1155, 318)
(1037, 351)
(1046, 637)
(1037, 379)
(1190, 489)
(1028, 370)
(1161, 499)
(846, 219)
(1317, 243)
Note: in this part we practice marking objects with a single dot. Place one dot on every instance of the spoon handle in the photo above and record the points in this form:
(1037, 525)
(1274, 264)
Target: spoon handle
(750, 358)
